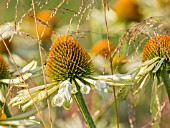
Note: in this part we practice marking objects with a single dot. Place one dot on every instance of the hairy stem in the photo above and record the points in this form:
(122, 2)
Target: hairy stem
(83, 108)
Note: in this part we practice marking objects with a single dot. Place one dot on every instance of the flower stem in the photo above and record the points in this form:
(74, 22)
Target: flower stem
(166, 80)
(6, 109)
(83, 108)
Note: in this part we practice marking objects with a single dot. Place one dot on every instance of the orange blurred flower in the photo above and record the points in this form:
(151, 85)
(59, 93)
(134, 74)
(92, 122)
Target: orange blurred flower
(127, 10)
(44, 31)
(101, 48)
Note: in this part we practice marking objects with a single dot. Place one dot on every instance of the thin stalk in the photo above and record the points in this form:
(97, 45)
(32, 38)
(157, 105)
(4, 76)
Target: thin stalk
(166, 81)
(83, 108)
(104, 4)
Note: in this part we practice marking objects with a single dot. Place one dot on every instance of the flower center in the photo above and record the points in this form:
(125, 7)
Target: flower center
(4, 69)
(157, 47)
(67, 59)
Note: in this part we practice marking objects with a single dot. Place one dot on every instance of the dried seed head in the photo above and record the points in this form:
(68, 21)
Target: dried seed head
(4, 69)
(157, 47)
(67, 59)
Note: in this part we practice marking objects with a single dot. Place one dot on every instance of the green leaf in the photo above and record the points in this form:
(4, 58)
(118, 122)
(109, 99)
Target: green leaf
(142, 84)
(166, 80)
(124, 92)
(154, 93)
(25, 115)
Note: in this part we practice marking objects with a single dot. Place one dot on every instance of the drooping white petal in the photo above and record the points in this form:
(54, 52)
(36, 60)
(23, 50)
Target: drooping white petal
(100, 84)
(57, 100)
(17, 79)
(7, 30)
(66, 85)
(2, 99)
(65, 88)
(28, 104)
(68, 103)
(84, 89)
(31, 66)
(74, 90)
(101, 87)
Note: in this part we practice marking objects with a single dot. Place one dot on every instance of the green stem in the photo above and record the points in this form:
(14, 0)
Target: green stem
(83, 108)
(166, 80)
(6, 109)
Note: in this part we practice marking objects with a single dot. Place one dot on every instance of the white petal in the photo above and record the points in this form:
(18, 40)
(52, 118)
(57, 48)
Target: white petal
(85, 89)
(57, 100)
(101, 87)
(17, 79)
(74, 90)
(100, 84)
(30, 66)
(7, 30)
(2, 99)
(67, 94)
(66, 85)
(68, 103)
(28, 104)
(41, 95)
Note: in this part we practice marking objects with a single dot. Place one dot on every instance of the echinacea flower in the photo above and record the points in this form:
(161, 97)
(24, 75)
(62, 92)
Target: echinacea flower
(70, 68)
(4, 69)
(7, 79)
(159, 46)
(148, 52)
(156, 64)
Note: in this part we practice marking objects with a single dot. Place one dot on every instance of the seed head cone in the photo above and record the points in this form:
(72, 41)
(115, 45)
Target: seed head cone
(67, 59)
(4, 69)
(157, 47)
